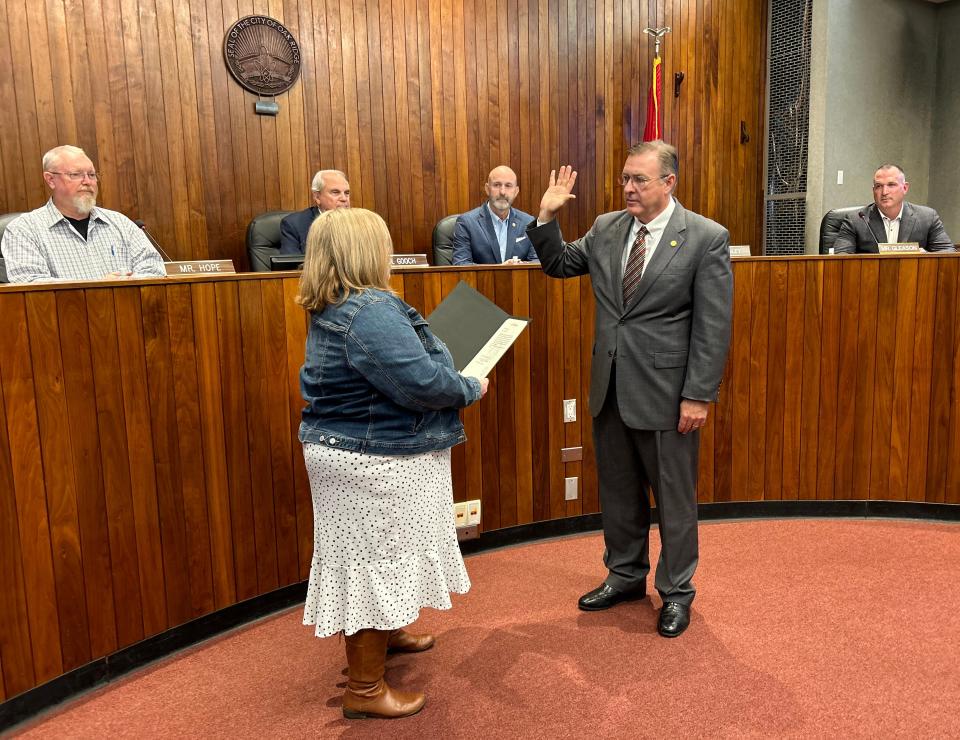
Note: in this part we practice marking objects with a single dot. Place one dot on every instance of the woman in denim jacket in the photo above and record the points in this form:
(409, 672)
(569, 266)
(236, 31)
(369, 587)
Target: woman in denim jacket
(382, 396)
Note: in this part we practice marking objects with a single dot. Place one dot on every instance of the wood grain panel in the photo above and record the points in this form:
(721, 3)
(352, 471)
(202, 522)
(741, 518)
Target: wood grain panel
(829, 368)
(166, 453)
(33, 519)
(58, 476)
(216, 485)
(810, 388)
(237, 446)
(114, 452)
(281, 447)
(921, 415)
(415, 99)
(177, 486)
(192, 489)
(866, 377)
(944, 327)
(258, 433)
(16, 662)
(81, 410)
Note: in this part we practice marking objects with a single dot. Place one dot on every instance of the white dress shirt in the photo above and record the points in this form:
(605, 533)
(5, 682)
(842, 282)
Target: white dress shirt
(892, 226)
(655, 230)
(500, 229)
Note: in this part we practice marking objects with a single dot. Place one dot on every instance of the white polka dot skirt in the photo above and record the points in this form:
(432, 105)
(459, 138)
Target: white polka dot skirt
(384, 539)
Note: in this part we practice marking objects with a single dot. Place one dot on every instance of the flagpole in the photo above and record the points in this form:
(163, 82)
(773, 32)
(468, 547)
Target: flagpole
(652, 129)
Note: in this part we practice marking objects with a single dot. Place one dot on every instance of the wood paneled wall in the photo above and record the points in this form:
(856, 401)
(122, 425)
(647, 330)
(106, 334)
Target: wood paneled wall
(150, 471)
(415, 100)
(843, 382)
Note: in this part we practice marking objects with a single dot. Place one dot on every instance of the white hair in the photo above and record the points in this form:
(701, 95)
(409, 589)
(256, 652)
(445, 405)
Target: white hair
(52, 158)
(318, 179)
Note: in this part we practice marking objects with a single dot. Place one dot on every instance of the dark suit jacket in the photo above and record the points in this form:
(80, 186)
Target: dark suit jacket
(294, 228)
(475, 241)
(671, 341)
(917, 224)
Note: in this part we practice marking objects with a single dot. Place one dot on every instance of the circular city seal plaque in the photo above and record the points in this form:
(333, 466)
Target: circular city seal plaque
(262, 55)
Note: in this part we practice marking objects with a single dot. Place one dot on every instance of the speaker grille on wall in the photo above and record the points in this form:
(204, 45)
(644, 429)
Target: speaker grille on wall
(787, 121)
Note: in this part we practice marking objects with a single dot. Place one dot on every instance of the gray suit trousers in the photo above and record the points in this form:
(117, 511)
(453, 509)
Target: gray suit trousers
(628, 461)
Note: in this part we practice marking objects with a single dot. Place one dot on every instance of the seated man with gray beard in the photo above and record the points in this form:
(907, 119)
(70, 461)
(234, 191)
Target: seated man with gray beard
(71, 238)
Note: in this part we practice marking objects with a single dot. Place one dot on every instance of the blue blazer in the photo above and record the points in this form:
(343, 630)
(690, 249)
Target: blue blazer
(475, 241)
(294, 228)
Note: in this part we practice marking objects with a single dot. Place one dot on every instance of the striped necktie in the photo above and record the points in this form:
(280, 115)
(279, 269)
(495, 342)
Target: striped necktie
(634, 269)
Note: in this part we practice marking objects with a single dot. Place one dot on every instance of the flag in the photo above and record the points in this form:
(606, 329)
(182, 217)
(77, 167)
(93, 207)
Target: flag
(654, 128)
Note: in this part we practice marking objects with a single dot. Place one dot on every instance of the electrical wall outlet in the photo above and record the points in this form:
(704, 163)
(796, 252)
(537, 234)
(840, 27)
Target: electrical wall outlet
(473, 512)
(839, 177)
(570, 489)
(569, 410)
(460, 513)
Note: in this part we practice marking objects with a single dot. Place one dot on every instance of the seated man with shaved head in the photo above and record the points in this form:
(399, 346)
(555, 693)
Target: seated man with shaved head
(891, 219)
(496, 231)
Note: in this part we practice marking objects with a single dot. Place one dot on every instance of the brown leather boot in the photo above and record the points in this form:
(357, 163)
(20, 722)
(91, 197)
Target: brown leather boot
(367, 694)
(401, 641)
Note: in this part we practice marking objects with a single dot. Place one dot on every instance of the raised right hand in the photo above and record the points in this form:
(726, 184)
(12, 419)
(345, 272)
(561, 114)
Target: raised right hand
(556, 196)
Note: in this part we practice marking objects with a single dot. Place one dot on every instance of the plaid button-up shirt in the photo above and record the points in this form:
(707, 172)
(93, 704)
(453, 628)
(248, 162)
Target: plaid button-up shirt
(44, 245)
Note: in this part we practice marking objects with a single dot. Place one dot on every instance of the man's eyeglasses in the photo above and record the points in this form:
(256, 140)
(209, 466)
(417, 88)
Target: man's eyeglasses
(639, 181)
(76, 175)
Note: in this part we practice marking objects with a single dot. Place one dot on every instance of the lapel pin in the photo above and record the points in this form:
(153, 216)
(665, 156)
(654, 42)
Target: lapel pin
(673, 243)
(513, 224)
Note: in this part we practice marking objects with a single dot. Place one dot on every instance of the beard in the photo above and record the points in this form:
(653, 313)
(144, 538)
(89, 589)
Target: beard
(501, 203)
(84, 202)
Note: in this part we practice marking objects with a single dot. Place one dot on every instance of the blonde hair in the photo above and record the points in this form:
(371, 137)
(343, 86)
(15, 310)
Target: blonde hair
(348, 249)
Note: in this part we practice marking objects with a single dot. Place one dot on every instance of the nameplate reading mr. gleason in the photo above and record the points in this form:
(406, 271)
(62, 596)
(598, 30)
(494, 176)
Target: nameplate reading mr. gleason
(481, 365)
(901, 247)
(199, 267)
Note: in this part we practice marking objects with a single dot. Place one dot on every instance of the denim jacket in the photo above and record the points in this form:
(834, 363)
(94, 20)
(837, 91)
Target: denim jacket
(375, 379)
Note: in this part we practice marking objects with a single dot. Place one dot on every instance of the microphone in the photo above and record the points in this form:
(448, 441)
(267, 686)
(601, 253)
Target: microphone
(867, 224)
(143, 227)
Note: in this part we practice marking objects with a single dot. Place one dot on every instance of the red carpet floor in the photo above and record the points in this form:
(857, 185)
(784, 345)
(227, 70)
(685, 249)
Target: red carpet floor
(801, 628)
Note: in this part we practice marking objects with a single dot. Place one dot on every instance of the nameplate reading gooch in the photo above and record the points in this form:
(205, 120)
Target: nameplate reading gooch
(199, 267)
(408, 260)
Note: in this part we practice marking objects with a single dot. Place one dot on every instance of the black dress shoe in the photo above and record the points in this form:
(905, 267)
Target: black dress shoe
(604, 597)
(674, 619)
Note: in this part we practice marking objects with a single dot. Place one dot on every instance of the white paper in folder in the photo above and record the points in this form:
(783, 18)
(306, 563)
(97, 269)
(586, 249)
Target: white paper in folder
(475, 329)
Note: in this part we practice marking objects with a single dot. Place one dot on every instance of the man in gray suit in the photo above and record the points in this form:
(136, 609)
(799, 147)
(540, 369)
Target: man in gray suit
(663, 289)
(891, 219)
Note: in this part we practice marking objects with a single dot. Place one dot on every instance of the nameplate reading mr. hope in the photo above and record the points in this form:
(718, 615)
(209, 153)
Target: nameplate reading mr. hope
(200, 267)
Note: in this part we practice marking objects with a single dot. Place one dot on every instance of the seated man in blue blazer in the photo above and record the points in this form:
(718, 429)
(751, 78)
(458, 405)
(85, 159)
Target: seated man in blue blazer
(495, 232)
(330, 190)
(891, 219)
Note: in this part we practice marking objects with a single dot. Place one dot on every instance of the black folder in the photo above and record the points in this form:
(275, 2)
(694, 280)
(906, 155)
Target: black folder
(467, 321)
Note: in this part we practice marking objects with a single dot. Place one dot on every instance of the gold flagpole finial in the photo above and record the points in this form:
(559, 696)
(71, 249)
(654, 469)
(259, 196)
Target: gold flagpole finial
(657, 34)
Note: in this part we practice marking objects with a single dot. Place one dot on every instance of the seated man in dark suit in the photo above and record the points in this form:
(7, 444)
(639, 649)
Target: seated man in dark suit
(891, 219)
(495, 232)
(330, 190)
